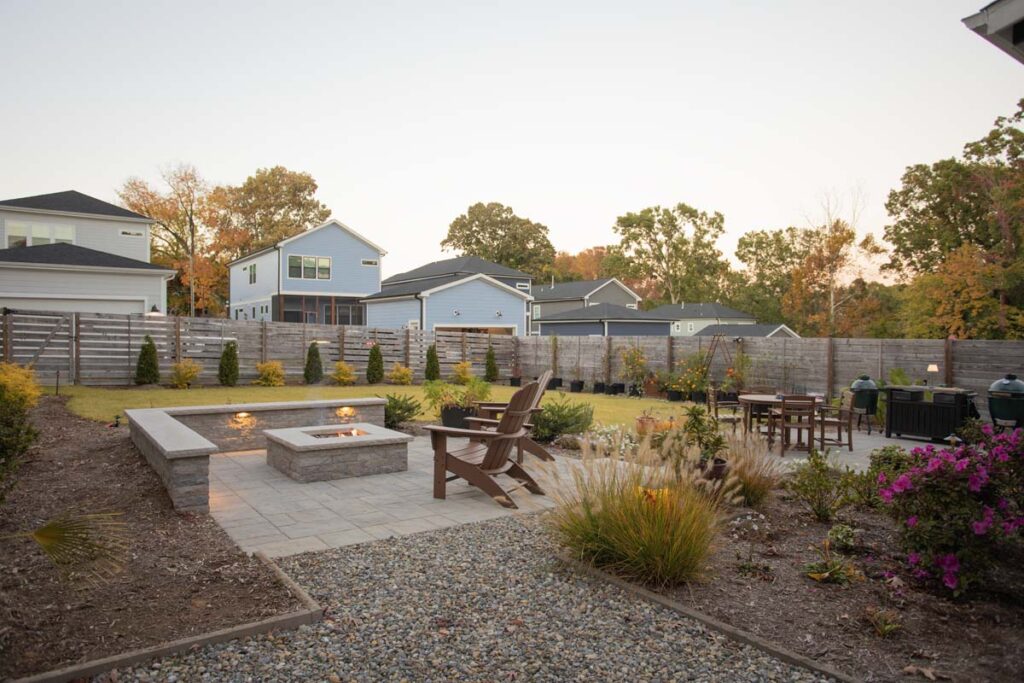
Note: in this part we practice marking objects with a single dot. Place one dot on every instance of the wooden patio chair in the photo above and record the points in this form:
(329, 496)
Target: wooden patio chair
(797, 412)
(715, 407)
(488, 412)
(487, 455)
(759, 414)
(840, 417)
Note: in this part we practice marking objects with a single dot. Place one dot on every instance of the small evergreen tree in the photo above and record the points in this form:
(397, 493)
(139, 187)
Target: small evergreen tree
(148, 369)
(227, 372)
(433, 369)
(375, 366)
(491, 365)
(314, 371)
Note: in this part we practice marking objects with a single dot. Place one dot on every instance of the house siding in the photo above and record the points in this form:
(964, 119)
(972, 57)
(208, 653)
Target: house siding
(348, 276)
(242, 292)
(683, 329)
(392, 314)
(478, 303)
(637, 328)
(613, 293)
(68, 290)
(100, 234)
(581, 329)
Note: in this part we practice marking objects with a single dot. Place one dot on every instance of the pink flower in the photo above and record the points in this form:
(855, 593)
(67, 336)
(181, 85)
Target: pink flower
(961, 465)
(948, 562)
(882, 478)
(886, 495)
(949, 580)
(902, 484)
(911, 521)
(913, 558)
(982, 526)
(933, 464)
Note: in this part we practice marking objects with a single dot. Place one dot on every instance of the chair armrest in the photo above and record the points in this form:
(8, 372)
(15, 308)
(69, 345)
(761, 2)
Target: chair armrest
(464, 433)
(491, 405)
(489, 421)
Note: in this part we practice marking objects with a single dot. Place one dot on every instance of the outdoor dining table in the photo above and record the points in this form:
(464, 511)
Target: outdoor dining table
(748, 401)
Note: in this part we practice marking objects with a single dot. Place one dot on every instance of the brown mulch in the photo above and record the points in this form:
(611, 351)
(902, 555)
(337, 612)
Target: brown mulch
(182, 575)
(757, 582)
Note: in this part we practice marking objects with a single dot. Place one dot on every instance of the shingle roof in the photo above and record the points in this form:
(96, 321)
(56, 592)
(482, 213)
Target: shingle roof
(414, 287)
(603, 312)
(465, 265)
(758, 330)
(703, 310)
(71, 255)
(71, 201)
(567, 290)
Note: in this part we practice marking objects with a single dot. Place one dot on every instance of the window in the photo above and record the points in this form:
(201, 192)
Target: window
(678, 327)
(237, 311)
(323, 268)
(309, 267)
(413, 325)
(689, 327)
(349, 314)
(633, 306)
(536, 311)
(33, 233)
(523, 285)
(295, 266)
(253, 312)
(252, 274)
(370, 262)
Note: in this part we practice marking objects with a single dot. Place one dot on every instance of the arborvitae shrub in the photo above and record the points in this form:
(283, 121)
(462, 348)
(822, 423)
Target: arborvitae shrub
(375, 366)
(147, 371)
(314, 371)
(227, 372)
(491, 365)
(433, 369)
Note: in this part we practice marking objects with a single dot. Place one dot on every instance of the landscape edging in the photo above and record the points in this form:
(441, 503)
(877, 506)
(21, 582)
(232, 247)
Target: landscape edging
(710, 622)
(311, 613)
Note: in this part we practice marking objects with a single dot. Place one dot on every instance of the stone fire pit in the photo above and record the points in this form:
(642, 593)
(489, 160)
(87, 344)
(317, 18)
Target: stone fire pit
(336, 451)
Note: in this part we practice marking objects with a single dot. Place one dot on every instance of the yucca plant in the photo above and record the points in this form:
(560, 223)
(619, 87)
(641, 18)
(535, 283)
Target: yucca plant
(89, 548)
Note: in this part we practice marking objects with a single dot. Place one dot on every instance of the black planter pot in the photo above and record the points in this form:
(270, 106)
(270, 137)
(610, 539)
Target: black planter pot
(636, 390)
(674, 395)
(729, 396)
(598, 387)
(576, 386)
(515, 381)
(555, 383)
(716, 469)
(617, 388)
(699, 396)
(455, 416)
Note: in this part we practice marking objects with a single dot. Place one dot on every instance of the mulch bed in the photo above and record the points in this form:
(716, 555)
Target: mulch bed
(757, 582)
(182, 577)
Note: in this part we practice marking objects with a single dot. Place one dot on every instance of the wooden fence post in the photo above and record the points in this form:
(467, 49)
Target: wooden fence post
(8, 340)
(830, 370)
(341, 342)
(408, 352)
(130, 350)
(263, 341)
(76, 349)
(948, 361)
(670, 360)
(462, 348)
(177, 339)
(608, 360)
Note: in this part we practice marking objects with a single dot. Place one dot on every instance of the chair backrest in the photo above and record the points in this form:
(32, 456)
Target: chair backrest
(798, 406)
(511, 426)
(542, 381)
(760, 389)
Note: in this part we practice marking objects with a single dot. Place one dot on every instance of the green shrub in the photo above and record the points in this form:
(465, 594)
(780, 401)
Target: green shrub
(819, 486)
(271, 374)
(313, 373)
(444, 395)
(432, 371)
(375, 366)
(147, 370)
(227, 371)
(400, 409)
(19, 392)
(462, 372)
(399, 374)
(344, 374)
(842, 537)
(184, 373)
(490, 366)
(862, 487)
(562, 416)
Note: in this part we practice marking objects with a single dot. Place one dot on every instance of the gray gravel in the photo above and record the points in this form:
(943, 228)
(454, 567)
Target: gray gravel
(478, 602)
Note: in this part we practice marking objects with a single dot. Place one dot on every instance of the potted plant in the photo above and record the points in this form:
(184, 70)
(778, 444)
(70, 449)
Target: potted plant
(699, 384)
(515, 377)
(634, 370)
(455, 403)
(701, 430)
(556, 381)
(576, 385)
(598, 384)
(645, 423)
(673, 388)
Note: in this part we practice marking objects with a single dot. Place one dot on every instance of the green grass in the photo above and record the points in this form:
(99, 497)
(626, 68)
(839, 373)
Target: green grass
(103, 404)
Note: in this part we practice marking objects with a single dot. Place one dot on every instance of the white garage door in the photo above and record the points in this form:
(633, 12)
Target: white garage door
(74, 305)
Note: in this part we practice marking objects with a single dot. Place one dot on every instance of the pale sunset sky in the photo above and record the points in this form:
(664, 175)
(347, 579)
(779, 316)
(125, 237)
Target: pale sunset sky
(571, 113)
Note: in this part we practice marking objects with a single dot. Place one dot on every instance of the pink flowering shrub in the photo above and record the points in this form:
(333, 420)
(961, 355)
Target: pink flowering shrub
(956, 506)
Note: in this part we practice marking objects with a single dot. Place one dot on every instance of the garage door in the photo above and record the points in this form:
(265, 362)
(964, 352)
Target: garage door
(74, 305)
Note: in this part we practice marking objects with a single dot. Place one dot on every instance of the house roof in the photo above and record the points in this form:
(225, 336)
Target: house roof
(72, 255)
(427, 286)
(332, 221)
(1000, 23)
(757, 330)
(71, 201)
(460, 265)
(578, 289)
(686, 311)
(602, 312)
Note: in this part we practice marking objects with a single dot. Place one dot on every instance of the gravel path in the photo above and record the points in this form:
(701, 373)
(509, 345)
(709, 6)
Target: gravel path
(478, 602)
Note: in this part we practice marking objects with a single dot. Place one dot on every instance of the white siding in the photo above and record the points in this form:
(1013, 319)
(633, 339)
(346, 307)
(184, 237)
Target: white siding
(241, 292)
(101, 234)
(82, 291)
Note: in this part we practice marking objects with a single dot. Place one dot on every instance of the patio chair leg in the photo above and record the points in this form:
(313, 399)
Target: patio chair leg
(440, 483)
(517, 472)
(534, 448)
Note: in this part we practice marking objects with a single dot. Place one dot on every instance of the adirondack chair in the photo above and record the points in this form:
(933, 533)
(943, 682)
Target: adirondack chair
(487, 419)
(488, 455)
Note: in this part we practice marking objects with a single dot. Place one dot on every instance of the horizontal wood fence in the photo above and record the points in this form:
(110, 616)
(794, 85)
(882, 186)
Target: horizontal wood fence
(102, 349)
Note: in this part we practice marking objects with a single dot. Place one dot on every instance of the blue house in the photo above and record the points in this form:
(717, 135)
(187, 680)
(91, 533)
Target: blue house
(318, 276)
(466, 293)
(606, 320)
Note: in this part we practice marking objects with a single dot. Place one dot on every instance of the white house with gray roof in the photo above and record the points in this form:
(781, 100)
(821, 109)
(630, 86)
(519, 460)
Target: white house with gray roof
(689, 319)
(567, 296)
(67, 251)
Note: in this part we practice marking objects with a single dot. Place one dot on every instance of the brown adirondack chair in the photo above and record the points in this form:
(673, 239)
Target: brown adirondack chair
(487, 455)
(487, 419)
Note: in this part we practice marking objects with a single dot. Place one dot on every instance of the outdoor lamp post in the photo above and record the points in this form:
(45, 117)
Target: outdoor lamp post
(932, 368)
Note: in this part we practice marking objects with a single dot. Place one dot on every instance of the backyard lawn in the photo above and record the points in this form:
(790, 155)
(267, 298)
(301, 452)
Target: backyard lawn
(103, 404)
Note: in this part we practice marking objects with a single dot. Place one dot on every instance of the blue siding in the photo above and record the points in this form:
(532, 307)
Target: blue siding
(242, 292)
(570, 329)
(478, 303)
(636, 328)
(348, 276)
(392, 315)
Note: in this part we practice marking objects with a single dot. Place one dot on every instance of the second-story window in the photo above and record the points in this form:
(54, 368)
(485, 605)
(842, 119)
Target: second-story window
(523, 285)
(370, 262)
(252, 274)
(309, 267)
(33, 233)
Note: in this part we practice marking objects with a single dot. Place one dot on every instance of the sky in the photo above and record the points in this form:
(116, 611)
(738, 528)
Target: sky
(571, 113)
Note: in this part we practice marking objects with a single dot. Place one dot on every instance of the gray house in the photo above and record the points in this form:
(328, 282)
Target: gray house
(67, 251)
(1002, 24)
(466, 293)
(758, 330)
(689, 319)
(317, 276)
(607, 320)
(568, 296)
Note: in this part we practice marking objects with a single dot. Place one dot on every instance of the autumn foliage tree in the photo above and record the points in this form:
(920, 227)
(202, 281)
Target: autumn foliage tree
(494, 232)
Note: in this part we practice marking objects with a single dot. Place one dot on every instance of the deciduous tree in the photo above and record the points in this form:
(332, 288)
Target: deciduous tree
(494, 232)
